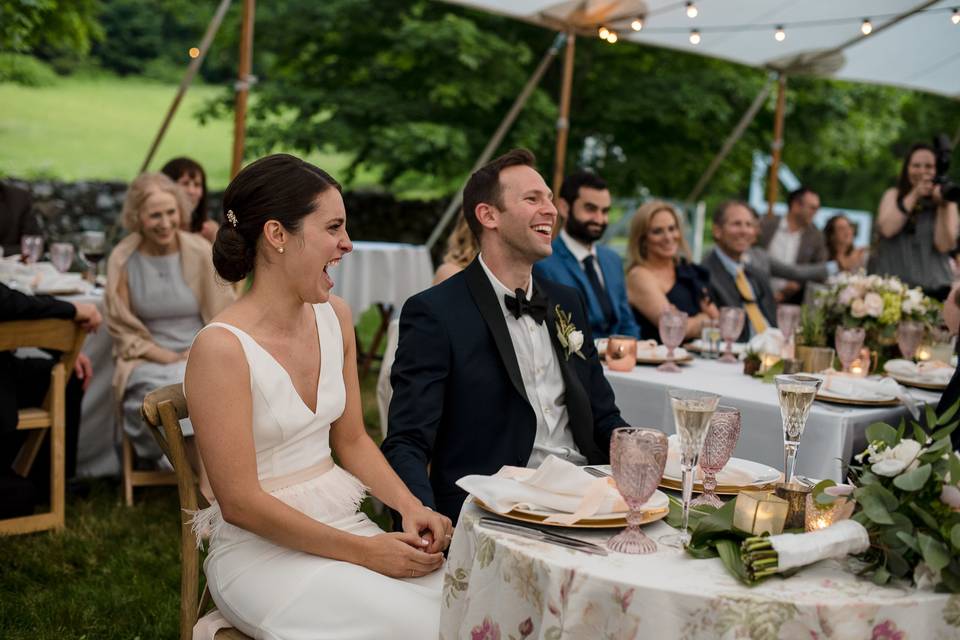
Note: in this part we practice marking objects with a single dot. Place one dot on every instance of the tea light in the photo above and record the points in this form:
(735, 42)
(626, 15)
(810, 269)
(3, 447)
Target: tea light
(757, 513)
(820, 516)
(767, 360)
(923, 353)
(796, 496)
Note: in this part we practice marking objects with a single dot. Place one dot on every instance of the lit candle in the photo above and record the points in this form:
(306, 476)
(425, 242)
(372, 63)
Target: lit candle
(757, 513)
(767, 360)
(923, 353)
(820, 516)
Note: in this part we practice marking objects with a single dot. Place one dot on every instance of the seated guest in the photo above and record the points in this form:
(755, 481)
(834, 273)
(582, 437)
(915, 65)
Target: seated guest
(480, 379)
(24, 382)
(462, 248)
(793, 239)
(161, 289)
(16, 218)
(193, 180)
(733, 281)
(838, 234)
(579, 262)
(768, 266)
(660, 273)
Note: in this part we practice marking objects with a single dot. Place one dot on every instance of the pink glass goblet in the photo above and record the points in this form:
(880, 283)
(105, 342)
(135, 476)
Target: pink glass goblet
(909, 336)
(61, 255)
(673, 329)
(731, 326)
(637, 457)
(849, 341)
(717, 448)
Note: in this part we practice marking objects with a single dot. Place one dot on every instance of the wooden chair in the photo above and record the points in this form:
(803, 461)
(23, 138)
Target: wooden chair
(67, 337)
(163, 409)
(133, 477)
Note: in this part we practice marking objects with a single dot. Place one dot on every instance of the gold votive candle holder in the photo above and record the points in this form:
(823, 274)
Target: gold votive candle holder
(758, 512)
(820, 516)
(621, 353)
(796, 496)
(792, 365)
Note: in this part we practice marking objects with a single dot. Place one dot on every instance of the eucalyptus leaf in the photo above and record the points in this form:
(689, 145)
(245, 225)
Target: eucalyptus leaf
(909, 540)
(948, 415)
(890, 501)
(913, 480)
(918, 433)
(881, 576)
(955, 536)
(896, 564)
(931, 416)
(882, 432)
(874, 508)
(954, 468)
(934, 552)
(945, 432)
(928, 520)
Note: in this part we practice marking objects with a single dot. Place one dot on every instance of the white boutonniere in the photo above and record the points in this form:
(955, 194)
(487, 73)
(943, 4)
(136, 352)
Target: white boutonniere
(571, 339)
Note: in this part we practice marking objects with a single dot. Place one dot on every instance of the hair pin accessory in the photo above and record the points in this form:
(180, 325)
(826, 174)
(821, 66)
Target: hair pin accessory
(232, 218)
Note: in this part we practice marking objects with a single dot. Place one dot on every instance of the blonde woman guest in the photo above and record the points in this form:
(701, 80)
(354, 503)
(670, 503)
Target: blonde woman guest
(462, 248)
(660, 274)
(161, 289)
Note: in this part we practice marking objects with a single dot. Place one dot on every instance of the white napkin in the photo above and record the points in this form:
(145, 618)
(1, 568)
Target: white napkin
(770, 341)
(734, 473)
(857, 388)
(934, 372)
(800, 549)
(738, 347)
(557, 485)
(650, 350)
(61, 283)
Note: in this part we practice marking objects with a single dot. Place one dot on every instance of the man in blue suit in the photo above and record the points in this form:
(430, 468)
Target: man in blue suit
(579, 262)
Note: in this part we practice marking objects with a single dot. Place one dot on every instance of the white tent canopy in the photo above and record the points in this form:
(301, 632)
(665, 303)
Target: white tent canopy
(920, 51)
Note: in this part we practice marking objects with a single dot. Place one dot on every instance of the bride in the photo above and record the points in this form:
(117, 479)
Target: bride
(271, 385)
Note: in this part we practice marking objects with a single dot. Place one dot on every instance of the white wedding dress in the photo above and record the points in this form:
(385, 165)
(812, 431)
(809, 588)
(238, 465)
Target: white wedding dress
(275, 593)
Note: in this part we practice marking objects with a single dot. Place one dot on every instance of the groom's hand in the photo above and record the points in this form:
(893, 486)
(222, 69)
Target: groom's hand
(434, 528)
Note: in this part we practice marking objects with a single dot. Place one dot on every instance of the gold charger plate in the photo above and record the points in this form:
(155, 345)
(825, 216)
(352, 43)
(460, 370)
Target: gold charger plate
(587, 523)
(892, 402)
(722, 489)
(910, 382)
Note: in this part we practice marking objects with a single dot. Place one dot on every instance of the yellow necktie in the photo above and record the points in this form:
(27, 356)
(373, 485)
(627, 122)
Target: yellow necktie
(757, 321)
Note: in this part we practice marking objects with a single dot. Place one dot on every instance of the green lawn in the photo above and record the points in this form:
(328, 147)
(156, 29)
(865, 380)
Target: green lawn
(101, 127)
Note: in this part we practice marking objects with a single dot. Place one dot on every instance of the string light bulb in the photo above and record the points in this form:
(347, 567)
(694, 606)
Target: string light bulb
(637, 23)
(603, 32)
(694, 36)
(613, 37)
(867, 27)
(193, 52)
(692, 11)
(780, 35)
(955, 18)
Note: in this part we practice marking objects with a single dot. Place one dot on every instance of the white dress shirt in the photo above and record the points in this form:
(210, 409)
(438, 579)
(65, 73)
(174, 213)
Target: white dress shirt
(784, 246)
(542, 380)
(580, 251)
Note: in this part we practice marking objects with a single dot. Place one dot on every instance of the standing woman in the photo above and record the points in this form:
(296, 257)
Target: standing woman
(272, 390)
(193, 179)
(161, 289)
(916, 227)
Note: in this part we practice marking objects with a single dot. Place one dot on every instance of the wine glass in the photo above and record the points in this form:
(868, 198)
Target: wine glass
(673, 329)
(93, 247)
(788, 319)
(692, 411)
(848, 341)
(31, 248)
(721, 439)
(61, 255)
(637, 457)
(731, 326)
(909, 335)
(796, 394)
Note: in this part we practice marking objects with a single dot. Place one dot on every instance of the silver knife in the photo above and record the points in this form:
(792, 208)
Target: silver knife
(544, 536)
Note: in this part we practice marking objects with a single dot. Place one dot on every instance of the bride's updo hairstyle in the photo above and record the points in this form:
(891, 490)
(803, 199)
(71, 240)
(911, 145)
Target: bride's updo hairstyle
(278, 187)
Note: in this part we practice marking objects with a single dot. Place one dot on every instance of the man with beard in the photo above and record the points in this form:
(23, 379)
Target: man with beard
(578, 261)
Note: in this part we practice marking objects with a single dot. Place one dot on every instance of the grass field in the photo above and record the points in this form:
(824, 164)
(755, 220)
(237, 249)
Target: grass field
(101, 127)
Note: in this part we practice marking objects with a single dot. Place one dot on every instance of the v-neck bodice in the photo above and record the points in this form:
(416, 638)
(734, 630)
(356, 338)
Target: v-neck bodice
(288, 436)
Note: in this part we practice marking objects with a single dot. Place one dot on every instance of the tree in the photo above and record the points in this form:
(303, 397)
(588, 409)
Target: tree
(63, 26)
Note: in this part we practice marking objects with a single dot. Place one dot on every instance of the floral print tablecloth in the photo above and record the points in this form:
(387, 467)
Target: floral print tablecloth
(503, 587)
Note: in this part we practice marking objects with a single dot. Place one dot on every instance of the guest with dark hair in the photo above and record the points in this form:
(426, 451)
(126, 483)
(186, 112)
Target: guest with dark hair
(916, 228)
(272, 390)
(579, 261)
(838, 235)
(17, 218)
(193, 180)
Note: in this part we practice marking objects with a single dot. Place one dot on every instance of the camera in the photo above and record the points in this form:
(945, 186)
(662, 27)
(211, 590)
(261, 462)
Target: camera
(943, 149)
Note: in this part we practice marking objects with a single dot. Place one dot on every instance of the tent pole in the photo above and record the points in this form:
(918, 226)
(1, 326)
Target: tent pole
(242, 86)
(731, 140)
(505, 124)
(563, 122)
(777, 143)
(192, 69)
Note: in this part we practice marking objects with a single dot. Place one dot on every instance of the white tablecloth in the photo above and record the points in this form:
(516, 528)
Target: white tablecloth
(832, 435)
(381, 272)
(502, 586)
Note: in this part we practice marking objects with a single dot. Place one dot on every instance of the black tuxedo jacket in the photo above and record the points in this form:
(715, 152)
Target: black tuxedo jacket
(459, 406)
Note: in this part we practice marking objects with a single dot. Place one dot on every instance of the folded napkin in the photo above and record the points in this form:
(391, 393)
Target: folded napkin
(650, 350)
(738, 347)
(934, 372)
(856, 388)
(60, 282)
(733, 474)
(770, 341)
(557, 485)
(800, 549)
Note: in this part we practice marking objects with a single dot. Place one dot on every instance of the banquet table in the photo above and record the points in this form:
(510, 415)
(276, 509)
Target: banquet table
(832, 435)
(498, 585)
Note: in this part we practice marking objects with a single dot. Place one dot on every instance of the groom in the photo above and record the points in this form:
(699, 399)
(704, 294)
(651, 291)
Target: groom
(493, 367)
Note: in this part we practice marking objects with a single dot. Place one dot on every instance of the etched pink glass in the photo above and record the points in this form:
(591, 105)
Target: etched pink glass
(848, 341)
(717, 448)
(731, 326)
(788, 319)
(31, 248)
(909, 336)
(673, 329)
(637, 457)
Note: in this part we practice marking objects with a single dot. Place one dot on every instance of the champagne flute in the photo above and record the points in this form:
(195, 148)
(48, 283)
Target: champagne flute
(692, 411)
(717, 448)
(731, 326)
(909, 335)
(796, 394)
(93, 247)
(61, 255)
(788, 319)
(673, 329)
(848, 341)
(637, 457)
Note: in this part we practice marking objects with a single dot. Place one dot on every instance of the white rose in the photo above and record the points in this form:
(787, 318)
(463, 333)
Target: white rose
(893, 462)
(950, 496)
(873, 304)
(575, 340)
(858, 309)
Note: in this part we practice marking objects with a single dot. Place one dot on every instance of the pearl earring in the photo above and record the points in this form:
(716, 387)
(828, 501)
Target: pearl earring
(280, 249)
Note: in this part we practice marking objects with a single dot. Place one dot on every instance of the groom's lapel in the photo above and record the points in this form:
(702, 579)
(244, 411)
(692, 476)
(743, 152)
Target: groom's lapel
(492, 313)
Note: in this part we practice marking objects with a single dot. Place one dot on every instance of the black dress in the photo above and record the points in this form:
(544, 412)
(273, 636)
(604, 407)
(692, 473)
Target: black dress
(691, 286)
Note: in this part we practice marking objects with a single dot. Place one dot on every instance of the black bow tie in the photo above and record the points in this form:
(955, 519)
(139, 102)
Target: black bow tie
(535, 307)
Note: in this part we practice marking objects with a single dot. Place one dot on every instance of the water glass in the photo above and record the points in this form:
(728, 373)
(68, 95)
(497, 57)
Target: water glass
(732, 320)
(61, 255)
(31, 248)
(909, 336)
(796, 394)
(849, 341)
(637, 457)
(717, 448)
(673, 329)
(788, 319)
(710, 337)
